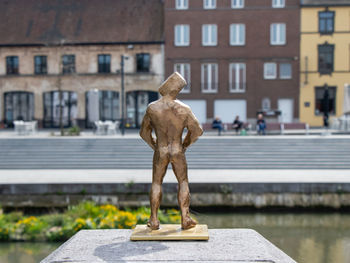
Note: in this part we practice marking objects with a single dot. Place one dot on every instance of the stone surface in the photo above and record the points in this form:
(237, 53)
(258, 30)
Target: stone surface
(224, 245)
(170, 232)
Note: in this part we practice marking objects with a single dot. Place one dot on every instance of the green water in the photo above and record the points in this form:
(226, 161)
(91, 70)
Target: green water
(308, 238)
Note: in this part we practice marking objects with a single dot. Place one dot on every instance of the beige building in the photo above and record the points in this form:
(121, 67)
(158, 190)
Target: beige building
(324, 60)
(74, 48)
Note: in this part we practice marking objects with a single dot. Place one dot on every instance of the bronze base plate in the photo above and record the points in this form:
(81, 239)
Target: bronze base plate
(169, 232)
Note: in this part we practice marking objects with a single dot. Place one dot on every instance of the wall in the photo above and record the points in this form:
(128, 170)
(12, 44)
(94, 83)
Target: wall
(257, 15)
(86, 76)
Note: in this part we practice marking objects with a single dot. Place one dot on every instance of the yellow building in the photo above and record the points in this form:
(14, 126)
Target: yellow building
(324, 58)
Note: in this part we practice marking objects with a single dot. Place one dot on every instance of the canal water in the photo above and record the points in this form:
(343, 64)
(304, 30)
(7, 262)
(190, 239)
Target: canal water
(316, 238)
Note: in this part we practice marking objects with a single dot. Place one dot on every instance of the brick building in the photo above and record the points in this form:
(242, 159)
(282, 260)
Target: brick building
(76, 47)
(239, 57)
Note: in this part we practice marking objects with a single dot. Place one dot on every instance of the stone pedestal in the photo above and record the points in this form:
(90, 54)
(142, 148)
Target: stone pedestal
(224, 245)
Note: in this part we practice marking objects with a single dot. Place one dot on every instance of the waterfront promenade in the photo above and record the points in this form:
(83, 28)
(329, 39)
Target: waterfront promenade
(257, 171)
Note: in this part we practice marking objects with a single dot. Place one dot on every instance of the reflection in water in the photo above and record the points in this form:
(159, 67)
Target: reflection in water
(316, 238)
(25, 252)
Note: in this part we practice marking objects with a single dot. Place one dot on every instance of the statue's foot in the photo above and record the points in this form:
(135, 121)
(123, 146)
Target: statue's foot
(188, 223)
(153, 224)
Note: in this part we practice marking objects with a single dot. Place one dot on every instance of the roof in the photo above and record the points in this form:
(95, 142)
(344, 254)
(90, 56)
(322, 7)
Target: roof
(325, 2)
(43, 22)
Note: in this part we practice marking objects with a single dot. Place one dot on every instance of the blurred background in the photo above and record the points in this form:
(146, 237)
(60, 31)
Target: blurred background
(269, 81)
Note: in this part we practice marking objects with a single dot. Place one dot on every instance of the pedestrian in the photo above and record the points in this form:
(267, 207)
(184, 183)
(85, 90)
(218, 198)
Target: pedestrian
(261, 125)
(237, 124)
(217, 124)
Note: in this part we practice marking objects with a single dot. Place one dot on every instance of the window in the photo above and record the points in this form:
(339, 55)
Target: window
(181, 4)
(209, 35)
(182, 35)
(265, 104)
(68, 64)
(278, 34)
(143, 62)
(40, 65)
(237, 34)
(12, 65)
(326, 22)
(237, 3)
(285, 71)
(325, 102)
(270, 71)
(325, 58)
(209, 78)
(237, 77)
(278, 3)
(209, 4)
(104, 63)
(185, 70)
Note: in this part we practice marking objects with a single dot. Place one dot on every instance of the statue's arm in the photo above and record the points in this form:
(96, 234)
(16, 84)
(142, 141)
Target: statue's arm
(146, 131)
(194, 130)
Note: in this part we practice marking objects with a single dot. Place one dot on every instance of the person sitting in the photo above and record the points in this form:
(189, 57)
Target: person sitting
(237, 124)
(217, 124)
(261, 125)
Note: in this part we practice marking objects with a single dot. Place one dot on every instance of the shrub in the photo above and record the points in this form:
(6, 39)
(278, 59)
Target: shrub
(86, 215)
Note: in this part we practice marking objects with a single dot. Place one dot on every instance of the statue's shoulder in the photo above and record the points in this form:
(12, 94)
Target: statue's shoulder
(182, 105)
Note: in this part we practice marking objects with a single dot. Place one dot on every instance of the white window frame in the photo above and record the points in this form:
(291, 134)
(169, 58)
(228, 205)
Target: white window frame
(181, 4)
(216, 87)
(187, 88)
(209, 4)
(278, 3)
(266, 65)
(279, 27)
(280, 71)
(234, 87)
(210, 28)
(181, 42)
(237, 4)
(237, 27)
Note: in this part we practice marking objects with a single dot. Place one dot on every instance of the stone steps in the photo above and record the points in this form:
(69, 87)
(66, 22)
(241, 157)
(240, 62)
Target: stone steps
(205, 154)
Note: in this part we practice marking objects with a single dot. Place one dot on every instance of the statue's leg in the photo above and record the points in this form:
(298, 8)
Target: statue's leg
(160, 164)
(179, 165)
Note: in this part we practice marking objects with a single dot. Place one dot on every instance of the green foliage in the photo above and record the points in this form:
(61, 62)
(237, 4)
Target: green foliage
(73, 131)
(86, 215)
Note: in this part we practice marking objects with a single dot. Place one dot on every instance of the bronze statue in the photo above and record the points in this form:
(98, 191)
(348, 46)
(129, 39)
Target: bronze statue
(168, 118)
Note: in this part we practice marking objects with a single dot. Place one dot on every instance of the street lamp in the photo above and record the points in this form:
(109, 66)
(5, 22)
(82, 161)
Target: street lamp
(122, 58)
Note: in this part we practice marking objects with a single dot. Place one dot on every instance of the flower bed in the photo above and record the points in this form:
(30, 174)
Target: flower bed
(59, 227)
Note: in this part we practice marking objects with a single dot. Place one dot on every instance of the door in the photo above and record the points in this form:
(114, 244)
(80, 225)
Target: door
(286, 108)
(227, 110)
(199, 109)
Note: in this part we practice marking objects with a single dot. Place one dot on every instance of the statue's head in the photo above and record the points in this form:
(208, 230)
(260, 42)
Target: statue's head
(173, 85)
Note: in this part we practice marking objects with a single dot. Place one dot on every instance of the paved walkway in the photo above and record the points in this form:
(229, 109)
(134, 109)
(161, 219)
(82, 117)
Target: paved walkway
(195, 176)
(132, 134)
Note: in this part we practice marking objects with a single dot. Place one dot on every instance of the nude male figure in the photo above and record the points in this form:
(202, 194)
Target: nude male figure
(168, 117)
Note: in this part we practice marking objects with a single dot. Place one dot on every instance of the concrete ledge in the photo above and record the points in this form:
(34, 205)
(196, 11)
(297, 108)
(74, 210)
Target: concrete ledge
(224, 245)
(258, 195)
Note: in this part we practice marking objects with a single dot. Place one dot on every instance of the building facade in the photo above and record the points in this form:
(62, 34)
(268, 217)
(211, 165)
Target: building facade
(239, 57)
(324, 59)
(65, 56)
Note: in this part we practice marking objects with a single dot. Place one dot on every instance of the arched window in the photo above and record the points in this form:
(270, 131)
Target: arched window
(19, 105)
(52, 109)
(136, 105)
(102, 105)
